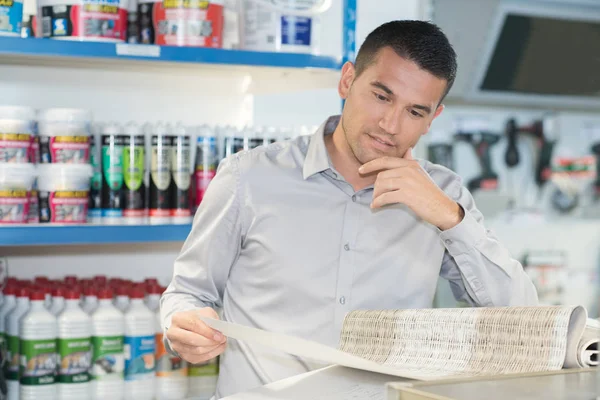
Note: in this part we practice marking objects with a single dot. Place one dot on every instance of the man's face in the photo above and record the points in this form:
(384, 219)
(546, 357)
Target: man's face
(389, 106)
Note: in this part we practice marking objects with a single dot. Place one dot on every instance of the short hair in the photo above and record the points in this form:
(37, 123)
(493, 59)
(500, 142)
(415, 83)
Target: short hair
(421, 42)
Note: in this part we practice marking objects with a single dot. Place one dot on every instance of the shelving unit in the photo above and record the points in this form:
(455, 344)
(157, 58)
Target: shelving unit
(260, 72)
(44, 235)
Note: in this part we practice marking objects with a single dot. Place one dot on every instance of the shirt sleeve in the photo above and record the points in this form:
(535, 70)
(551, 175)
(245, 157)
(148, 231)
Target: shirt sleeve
(479, 268)
(202, 267)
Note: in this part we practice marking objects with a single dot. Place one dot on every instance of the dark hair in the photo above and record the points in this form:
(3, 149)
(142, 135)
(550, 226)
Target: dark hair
(418, 41)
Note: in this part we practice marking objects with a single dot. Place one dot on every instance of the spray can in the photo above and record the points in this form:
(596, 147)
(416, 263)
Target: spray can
(112, 174)
(160, 176)
(207, 160)
(181, 170)
(134, 162)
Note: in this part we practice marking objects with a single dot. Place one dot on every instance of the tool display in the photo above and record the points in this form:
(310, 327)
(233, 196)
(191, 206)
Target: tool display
(482, 143)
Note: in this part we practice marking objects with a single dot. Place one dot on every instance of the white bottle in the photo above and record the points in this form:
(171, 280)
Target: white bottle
(74, 348)
(153, 293)
(58, 301)
(12, 330)
(90, 300)
(203, 379)
(108, 359)
(122, 298)
(139, 348)
(171, 371)
(38, 330)
(10, 300)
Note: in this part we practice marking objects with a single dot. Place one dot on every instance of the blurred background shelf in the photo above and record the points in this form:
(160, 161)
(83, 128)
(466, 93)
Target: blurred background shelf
(293, 70)
(91, 234)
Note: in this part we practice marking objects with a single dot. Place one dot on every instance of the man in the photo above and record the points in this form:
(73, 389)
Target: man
(291, 237)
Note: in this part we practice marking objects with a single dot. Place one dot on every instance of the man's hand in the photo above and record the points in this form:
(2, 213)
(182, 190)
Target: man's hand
(192, 339)
(402, 180)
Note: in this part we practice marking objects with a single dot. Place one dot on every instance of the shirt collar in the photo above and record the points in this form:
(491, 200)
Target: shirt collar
(317, 158)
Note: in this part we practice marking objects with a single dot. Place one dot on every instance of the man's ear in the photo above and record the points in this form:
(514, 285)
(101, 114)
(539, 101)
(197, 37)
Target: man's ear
(348, 73)
(438, 111)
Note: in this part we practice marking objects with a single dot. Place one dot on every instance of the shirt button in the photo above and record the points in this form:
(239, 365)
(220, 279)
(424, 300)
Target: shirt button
(448, 242)
(342, 300)
(354, 198)
(346, 247)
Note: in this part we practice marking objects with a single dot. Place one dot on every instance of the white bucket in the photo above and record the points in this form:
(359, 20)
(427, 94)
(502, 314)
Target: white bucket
(89, 20)
(64, 136)
(16, 181)
(63, 192)
(289, 26)
(17, 134)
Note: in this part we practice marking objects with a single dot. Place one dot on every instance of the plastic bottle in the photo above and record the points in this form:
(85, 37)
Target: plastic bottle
(12, 330)
(139, 348)
(122, 298)
(203, 379)
(74, 347)
(71, 280)
(100, 280)
(58, 301)
(108, 360)
(153, 293)
(90, 299)
(171, 371)
(38, 330)
(10, 300)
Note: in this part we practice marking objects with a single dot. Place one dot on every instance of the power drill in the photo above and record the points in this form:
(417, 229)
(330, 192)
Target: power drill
(596, 151)
(482, 143)
(545, 146)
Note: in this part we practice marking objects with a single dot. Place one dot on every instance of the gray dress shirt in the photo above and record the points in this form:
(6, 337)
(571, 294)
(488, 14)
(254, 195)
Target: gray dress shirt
(282, 242)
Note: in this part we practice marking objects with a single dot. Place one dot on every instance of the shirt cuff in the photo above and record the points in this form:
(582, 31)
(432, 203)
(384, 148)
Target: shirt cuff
(463, 237)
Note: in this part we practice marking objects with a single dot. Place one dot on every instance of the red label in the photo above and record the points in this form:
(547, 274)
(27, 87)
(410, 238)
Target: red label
(68, 207)
(489, 184)
(134, 213)
(160, 213)
(203, 178)
(70, 149)
(33, 216)
(15, 147)
(104, 21)
(193, 23)
(14, 206)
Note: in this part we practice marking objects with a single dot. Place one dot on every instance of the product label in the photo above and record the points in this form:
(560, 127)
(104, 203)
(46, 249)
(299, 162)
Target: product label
(33, 217)
(12, 358)
(181, 23)
(133, 175)
(11, 15)
(68, 206)
(209, 368)
(295, 30)
(139, 357)
(182, 175)
(15, 147)
(160, 175)
(166, 364)
(207, 159)
(65, 149)
(108, 358)
(112, 170)
(93, 19)
(14, 206)
(74, 360)
(38, 362)
(96, 181)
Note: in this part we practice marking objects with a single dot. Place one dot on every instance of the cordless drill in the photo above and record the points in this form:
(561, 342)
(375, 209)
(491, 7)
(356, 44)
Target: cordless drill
(482, 143)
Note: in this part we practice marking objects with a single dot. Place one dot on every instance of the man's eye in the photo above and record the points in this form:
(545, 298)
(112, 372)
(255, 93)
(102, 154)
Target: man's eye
(416, 114)
(380, 97)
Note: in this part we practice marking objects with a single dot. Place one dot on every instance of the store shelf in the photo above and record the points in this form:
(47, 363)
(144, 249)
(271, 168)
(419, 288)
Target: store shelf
(43, 235)
(294, 69)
